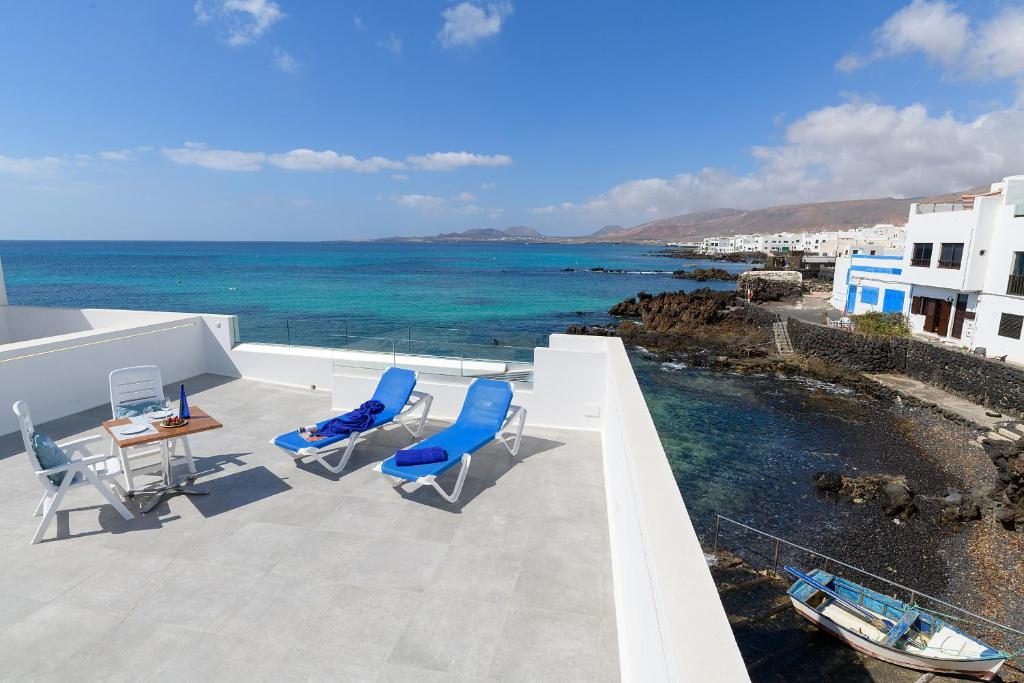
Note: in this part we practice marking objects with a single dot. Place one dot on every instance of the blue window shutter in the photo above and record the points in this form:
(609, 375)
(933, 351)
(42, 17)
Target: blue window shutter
(869, 295)
(893, 300)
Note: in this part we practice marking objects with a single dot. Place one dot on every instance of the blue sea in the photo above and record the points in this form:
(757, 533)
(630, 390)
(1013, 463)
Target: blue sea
(742, 446)
(308, 292)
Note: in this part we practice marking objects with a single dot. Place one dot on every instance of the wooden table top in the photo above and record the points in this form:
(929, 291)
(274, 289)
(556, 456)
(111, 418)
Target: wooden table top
(198, 422)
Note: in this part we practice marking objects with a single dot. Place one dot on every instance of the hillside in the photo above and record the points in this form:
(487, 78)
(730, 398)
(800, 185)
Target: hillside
(789, 217)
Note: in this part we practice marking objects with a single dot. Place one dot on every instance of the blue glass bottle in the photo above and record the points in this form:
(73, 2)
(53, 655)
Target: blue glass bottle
(183, 405)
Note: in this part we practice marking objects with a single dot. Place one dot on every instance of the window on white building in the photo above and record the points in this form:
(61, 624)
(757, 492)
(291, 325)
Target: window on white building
(1010, 325)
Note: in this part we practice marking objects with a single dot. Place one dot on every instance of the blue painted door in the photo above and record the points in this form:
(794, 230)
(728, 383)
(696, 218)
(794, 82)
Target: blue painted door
(851, 299)
(892, 302)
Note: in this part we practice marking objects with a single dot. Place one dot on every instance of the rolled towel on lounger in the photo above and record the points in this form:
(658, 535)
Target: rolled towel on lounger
(358, 420)
(420, 456)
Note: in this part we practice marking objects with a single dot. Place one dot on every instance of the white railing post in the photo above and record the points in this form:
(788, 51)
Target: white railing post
(3, 287)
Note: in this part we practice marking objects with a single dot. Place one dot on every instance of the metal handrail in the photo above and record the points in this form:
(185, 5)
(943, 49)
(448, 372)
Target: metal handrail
(937, 207)
(951, 265)
(913, 592)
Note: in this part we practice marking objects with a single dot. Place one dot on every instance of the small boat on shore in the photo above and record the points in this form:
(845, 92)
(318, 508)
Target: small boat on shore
(890, 630)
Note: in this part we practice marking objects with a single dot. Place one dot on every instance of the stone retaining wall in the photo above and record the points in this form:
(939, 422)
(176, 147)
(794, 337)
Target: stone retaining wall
(758, 315)
(848, 349)
(988, 382)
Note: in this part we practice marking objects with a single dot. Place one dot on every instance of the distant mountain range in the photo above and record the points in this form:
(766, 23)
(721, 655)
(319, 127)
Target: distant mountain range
(515, 233)
(694, 226)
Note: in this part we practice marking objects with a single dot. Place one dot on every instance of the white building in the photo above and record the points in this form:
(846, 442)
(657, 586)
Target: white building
(870, 282)
(877, 239)
(965, 266)
(959, 278)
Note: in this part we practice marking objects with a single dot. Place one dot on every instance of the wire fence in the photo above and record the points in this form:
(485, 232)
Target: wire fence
(768, 552)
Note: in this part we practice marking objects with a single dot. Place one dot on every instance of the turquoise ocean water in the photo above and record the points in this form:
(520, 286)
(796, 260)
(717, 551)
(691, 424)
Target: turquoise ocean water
(741, 446)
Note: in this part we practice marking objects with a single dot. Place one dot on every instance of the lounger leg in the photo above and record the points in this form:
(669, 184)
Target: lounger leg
(457, 491)
(336, 469)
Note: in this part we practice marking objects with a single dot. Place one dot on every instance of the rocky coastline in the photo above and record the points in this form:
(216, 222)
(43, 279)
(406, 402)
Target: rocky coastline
(732, 257)
(704, 274)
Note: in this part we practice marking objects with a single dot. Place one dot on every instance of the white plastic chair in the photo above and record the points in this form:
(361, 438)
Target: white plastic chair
(133, 385)
(96, 470)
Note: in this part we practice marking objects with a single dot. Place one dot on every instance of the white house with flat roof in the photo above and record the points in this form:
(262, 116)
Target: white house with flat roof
(965, 267)
(866, 282)
(960, 277)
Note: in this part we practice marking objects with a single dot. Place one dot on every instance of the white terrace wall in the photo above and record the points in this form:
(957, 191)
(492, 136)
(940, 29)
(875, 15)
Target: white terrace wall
(671, 623)
(62, 375)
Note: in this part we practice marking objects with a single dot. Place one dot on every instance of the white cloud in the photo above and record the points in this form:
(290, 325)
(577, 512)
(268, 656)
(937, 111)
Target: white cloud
(243, 21)
(116, 154)
(448, 161)
(488, 185)
(990, 49)
(30, 165)
(399, 176)
(432, 204)
(392, 44)
(200, 154)
(310, 160)
(284, 61)
(998, 47)
(465, 197)
(467, 23)
(852, 150)
(423, 202)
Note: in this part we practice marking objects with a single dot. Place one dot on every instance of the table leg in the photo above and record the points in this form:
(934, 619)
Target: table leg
(169, 487)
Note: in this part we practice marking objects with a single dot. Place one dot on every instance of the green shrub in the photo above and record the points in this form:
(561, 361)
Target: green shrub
(882, 324)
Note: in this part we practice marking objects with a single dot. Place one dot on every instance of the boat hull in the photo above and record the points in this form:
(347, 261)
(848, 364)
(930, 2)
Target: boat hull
(983, 670)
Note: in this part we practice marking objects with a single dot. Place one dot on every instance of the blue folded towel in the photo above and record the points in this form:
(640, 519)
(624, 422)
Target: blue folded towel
(420, 456)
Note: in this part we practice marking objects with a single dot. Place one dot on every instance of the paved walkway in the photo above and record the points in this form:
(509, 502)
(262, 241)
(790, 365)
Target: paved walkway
(943, 399)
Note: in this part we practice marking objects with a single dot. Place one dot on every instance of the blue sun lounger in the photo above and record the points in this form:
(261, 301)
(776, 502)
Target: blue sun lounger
(487, 413)
(395, 391)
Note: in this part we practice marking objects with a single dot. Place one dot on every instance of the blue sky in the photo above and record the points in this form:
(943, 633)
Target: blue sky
(260, 119)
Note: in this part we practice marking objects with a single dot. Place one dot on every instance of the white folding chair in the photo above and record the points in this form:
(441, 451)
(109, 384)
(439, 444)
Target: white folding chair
(133, 386)
(94, 470)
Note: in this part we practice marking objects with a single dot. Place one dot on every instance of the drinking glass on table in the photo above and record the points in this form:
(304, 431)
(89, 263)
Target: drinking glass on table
(160, 409)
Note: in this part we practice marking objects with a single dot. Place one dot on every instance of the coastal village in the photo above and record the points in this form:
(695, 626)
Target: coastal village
(924, 321)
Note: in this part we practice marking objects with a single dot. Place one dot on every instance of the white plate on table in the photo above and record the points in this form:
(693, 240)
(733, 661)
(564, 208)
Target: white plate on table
(159, 414)
(129, 430)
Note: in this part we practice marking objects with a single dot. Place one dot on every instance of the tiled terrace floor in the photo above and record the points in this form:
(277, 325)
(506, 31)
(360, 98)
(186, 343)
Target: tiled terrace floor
(288, 573)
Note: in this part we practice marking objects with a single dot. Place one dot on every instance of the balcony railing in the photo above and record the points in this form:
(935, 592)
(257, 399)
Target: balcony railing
(951, 265)
(942, 207)
(1016, 285)
(921, 262)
